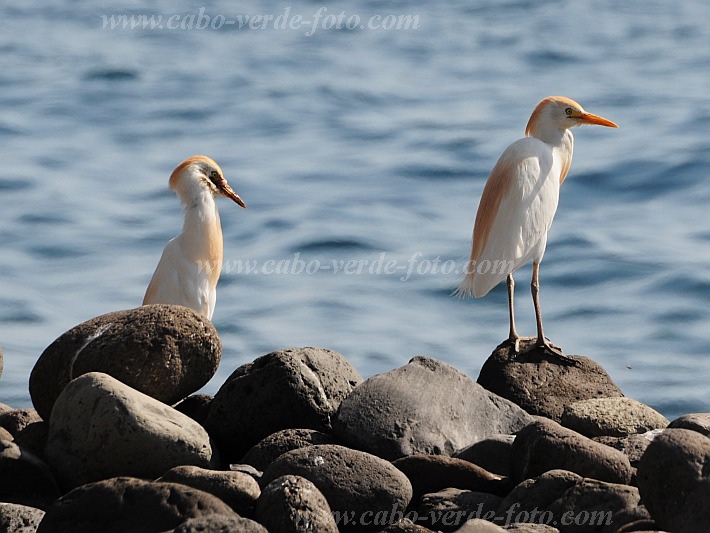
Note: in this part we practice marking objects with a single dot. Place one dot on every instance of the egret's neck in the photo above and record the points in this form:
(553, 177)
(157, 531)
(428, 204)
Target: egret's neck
(552, 135)
(562, 142)
(202, 231)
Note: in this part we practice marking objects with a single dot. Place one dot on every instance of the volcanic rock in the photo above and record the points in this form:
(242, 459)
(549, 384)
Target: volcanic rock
(541, 384)
(424, 407)
(101, 428)
(164, 351)
(295, 388)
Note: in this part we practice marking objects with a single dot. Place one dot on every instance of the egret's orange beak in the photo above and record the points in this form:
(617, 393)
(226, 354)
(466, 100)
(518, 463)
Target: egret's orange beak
(589, 118)
(229, 193)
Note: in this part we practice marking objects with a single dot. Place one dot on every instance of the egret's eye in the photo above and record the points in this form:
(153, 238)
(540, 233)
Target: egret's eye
(214, 175)
(569, 111)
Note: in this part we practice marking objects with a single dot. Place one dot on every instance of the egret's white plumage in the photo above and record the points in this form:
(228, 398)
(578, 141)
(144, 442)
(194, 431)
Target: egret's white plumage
(519, 202)
(189, 268)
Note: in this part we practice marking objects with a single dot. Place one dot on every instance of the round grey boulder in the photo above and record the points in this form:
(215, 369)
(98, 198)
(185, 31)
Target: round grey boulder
(572, 502)
(33, 438)
(18, 419)
(238, 490)
(674, 480)
(24, 478)
(494, 454)
(543, 385)
(196, 406)
(615, 417)
(430, 473)
(267, 450)
(164, 351)
(356, 484)
(545, 445)
(424, 407)
(101, 428)
(292, 504)
(122, 504)
(448, 509)
(633, 446)
(295, 388)
(699, 422)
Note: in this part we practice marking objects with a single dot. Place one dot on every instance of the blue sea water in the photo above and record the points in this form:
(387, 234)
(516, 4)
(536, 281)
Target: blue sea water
(350, 143)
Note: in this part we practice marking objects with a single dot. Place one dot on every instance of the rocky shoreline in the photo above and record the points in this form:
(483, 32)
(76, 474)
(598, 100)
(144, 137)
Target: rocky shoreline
(298, 441)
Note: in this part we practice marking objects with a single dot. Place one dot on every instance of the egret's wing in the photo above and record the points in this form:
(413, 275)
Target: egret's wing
(516, 210)
(165, 278)
(179, 281)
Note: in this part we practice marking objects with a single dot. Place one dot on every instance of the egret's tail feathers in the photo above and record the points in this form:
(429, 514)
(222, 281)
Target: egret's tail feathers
(470, 287)
(478, 284)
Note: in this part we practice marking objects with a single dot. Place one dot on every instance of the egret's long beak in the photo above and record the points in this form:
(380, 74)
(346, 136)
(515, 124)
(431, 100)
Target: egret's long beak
(229, 193)
(589, 118)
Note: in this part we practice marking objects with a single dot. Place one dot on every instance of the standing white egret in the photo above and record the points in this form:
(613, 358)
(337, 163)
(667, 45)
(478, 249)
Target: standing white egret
(519, 202)
(189, 268)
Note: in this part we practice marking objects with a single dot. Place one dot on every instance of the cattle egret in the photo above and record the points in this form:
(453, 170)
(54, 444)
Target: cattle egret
(189, 268)
(518, 204)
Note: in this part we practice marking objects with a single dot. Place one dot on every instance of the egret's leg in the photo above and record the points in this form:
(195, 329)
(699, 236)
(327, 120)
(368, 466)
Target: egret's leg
(513, 336)
(542, 342)
(535, 290)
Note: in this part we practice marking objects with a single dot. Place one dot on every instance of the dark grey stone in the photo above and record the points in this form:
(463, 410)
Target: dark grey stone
(537, 493)
(101, 428)
(630, 519)
(674, 480)
(699, 422)
(592, 504)
(427, 407)
(295, 388)
(542, 385)
(431, 473)
(294, 504)
(122, 504)
(16, 420)
(495, 454)
(633, 446)
(545, 445)
(196, 406)
(616, 417)
(568, 501)
(267, 450)
(448, 509)
(238, 490)
(164, 351)
(33, 438)
(356, 484)
(24, 478)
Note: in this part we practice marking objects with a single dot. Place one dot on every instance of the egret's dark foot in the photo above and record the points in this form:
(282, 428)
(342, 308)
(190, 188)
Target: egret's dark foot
(554, 351)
